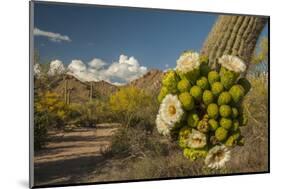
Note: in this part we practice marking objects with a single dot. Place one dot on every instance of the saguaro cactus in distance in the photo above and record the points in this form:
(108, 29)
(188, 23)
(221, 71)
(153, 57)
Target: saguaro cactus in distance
(233, 35)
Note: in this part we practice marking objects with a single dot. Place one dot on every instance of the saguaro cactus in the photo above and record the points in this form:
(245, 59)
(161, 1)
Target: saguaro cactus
(233, 35)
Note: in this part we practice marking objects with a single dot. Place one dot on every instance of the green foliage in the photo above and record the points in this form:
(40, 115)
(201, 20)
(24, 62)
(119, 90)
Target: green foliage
(41, 121)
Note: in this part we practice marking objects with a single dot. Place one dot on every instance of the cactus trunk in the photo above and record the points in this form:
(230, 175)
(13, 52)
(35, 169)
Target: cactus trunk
(233, 35)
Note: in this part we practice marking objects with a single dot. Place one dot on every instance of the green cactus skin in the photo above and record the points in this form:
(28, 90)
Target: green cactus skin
(228, 78)
(203, 83)
(187, 101)
(193, 154)
(196, 92)
(170, 81)
(192, 119)
(245, 83)
(235, 112)
(237, 92)
(184, 85)
(204, 69)
(224, 98)
(163, 92)
(213, 77)
(213, 110)
(213, 124)
(183, 136)
(225, 111)
(208, 97)
(226, 123)
(221, 134)
(217, 88)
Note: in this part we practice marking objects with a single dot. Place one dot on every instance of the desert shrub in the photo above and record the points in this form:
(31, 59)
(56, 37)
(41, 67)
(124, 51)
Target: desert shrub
(40, 129)
(128, 103)
(136, 142)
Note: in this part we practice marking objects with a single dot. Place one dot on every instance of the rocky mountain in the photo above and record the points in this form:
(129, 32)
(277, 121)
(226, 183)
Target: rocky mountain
(151, 81)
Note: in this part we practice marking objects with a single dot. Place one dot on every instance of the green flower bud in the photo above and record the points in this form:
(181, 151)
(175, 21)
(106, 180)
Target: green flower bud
(235, 125)
(191, 76)
(232, 140)
(237, 92)
(170, 81)
(228, 78)
(245, 84)
(226, 123)
(213, 124)
(235, 112)
(193, 154)
(243, 119)
(184, 85)
(213, 110)
(221, 133)
(163, 92)
(192, 119)
(204, 60)
(241, 141)
(203, 83)
(213, 77)
(204, 69)
(225, 111)
(208, 97)
(217, 88)
(203, 126)
(196, 92)
(187, 101)
(183, 137)
(224, 98)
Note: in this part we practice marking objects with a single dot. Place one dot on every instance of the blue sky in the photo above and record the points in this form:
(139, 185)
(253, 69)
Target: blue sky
(155, 38)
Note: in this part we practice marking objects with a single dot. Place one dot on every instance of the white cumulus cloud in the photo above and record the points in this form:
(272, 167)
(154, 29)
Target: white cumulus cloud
(117, 73)
(56, 67)
(56, 37)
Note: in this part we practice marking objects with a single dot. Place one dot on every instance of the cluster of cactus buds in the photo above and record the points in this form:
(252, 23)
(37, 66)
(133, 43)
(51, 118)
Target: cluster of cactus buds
(211, 102)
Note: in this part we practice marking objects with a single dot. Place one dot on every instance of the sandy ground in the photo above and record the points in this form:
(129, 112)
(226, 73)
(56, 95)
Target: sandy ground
(71, 156)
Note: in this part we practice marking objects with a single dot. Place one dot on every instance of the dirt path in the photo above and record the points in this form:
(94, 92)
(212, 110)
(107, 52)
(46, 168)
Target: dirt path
(70, 155)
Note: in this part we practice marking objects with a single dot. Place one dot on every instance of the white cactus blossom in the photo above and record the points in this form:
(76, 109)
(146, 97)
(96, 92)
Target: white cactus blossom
(170, 109)
(196, 139)
(187, 62)
(217, 157)
(232, 63)
(162, 127)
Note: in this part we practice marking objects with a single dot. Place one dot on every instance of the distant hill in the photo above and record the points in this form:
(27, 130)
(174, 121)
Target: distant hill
(79, 92)
(151, 81)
